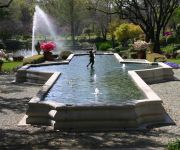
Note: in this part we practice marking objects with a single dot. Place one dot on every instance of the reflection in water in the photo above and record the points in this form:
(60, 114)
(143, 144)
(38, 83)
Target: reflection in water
(76, 84)
(95, 77)
(92, 74)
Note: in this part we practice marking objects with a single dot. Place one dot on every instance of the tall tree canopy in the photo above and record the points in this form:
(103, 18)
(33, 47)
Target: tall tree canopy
(16, 19)
(150, 15)
(69, 13)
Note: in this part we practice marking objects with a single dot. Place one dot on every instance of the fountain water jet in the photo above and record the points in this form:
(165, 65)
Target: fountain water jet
(33, 32)
(96, 91)
(42, 26)
(123, 65)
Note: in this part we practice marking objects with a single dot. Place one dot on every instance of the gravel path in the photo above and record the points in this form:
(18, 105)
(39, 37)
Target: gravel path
(13, 105)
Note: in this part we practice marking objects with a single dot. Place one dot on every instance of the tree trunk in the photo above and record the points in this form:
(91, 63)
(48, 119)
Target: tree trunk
(164, 29)
(72, 21)
(103, 32)
(154, 38)
(156, 48)
(113, 41)
(1, 63)
(104, 36)
(72, 32)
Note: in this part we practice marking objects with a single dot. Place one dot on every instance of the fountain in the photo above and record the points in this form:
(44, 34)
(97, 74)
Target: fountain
(123, 66)
(42, 26)
(96, 92)
(67, 104)
(119, 104)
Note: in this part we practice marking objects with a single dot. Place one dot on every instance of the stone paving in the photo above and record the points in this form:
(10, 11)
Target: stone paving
(13, 105)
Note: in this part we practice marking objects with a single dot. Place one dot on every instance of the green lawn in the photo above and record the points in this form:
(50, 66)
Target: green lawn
(177, 61)
(11, 65)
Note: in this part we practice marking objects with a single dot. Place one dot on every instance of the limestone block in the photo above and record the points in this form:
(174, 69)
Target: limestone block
(38, 120)
(149, 108)
(38, 108)
(94, 125)
(96, 114)
(151, 119)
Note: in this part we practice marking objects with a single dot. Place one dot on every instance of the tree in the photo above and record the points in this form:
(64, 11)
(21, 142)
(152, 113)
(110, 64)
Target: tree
(112, 28)
(178, 32)
(72, 18)
(87, 31)
(175, 19)
(24, 15)
(102, 19)
(16, 19)
(127, 31)
(7, 4)
(68, 13)
(150, 15)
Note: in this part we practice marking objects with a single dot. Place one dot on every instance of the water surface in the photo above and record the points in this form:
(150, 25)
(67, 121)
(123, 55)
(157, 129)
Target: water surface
(77, 83)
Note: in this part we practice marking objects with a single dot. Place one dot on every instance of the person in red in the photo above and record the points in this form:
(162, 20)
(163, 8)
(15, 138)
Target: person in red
(91, 58)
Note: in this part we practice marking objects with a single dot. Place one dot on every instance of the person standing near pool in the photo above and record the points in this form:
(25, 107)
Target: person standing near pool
(91, 58)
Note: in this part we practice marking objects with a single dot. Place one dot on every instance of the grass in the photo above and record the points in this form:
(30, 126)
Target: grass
(9, 66)
(174, 145)
(177, 61)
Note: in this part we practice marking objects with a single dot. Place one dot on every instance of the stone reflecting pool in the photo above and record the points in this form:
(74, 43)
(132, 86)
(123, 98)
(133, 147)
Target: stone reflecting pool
(111, 96)
(77, 83)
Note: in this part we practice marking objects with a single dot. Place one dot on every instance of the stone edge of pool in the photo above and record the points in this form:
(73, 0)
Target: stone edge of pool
(138, 114)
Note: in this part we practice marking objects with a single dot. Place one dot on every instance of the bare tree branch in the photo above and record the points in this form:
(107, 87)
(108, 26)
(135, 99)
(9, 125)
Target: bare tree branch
(151, 15)
(6, 5)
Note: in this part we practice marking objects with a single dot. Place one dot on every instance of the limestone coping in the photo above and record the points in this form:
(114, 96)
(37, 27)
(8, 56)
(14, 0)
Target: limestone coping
(148, 92)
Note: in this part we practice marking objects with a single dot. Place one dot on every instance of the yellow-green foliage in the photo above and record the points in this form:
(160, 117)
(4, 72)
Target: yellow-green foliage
(112, 27)
(35, 59)
(127, 31)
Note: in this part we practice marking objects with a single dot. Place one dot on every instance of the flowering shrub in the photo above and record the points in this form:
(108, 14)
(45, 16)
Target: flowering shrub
(173, 65)
(168, 33)
(2, 55)
(140, 45)
(47, 46)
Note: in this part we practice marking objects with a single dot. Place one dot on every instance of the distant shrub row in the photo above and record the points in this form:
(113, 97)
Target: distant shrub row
(10, 45)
